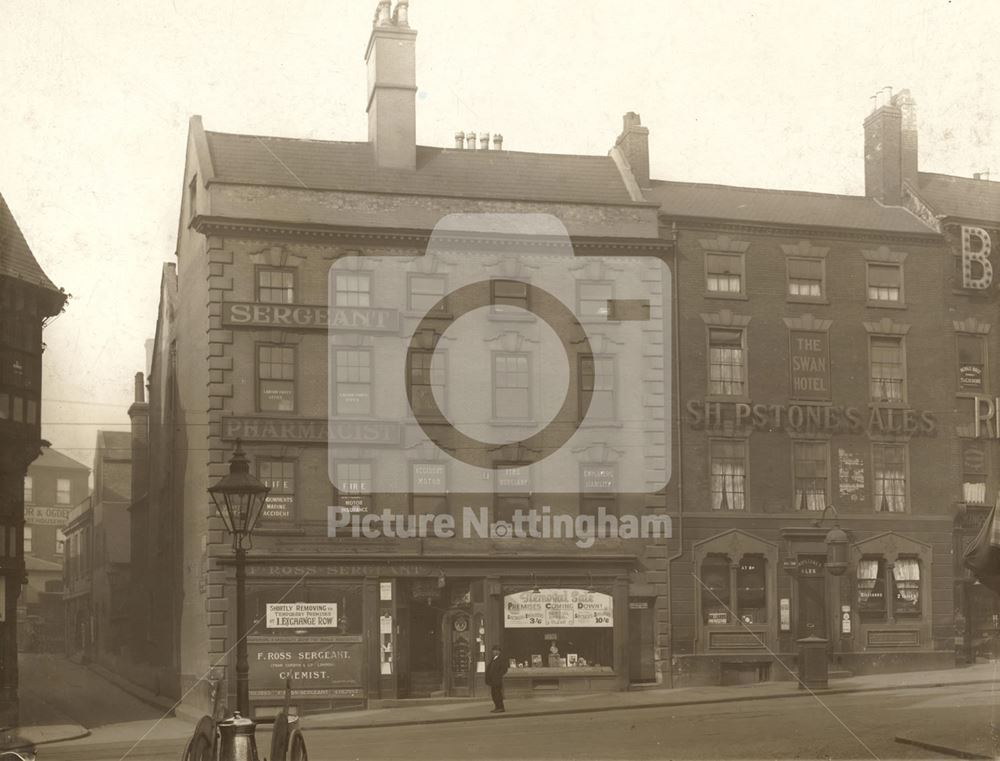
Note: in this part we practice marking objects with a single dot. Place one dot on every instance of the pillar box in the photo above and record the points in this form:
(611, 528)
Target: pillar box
(812, 663)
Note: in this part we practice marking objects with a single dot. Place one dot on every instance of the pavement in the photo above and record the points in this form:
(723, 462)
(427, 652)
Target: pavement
(437, 711)
(110, 715)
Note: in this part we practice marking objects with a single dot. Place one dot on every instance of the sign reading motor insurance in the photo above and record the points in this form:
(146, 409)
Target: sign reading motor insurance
(302, 615)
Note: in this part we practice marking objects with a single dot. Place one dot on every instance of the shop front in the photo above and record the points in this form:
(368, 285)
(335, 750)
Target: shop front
(345, 634)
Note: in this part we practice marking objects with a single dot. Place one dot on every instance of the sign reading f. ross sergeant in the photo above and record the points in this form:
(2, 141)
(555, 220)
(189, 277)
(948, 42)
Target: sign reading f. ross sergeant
(511, 351)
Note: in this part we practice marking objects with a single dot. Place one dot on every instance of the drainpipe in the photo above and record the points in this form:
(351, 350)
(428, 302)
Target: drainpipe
(677, 354)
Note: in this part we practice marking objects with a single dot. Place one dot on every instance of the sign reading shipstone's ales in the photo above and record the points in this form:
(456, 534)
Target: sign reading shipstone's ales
(240, 314)
(551, 608)
(809, 363)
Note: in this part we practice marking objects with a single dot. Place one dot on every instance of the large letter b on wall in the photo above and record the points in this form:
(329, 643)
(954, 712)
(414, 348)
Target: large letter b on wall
(977, 272)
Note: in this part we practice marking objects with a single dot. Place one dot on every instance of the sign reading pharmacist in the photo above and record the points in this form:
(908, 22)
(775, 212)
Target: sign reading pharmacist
(550, 608)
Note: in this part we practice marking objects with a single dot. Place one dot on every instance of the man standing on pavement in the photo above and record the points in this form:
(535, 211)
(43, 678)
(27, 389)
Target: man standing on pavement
(495, 671)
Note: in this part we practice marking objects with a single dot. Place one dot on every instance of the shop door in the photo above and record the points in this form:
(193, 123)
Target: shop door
(812, 598)
(641, 667)
(423, 648)
(458, 638)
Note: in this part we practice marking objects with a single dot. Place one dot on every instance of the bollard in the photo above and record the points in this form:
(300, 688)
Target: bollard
(237, 739)
(813, 665)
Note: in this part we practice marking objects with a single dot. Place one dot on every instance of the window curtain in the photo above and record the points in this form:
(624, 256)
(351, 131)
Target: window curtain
(867, 578)
(728, 485)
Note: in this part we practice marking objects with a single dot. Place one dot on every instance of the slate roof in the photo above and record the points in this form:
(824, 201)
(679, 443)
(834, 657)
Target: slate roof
(350, 166)
(52, 458)
(962, 197)
(115, 444)
(790, 207)
(16, 259)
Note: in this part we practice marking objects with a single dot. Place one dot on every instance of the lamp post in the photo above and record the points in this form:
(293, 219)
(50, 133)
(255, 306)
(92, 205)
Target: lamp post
(239, 499)
(836, 544)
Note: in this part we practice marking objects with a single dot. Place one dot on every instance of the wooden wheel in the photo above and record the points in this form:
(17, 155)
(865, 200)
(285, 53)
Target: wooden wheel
(201, 746)
(298, 747)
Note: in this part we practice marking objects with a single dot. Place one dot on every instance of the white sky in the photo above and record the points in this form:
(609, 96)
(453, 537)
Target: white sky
(97, 97)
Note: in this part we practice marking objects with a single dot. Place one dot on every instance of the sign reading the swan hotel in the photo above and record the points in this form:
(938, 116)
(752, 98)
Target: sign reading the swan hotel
(809, 362)
(242, 314)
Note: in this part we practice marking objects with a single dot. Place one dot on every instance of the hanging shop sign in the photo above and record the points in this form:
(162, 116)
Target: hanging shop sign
(302, 615)
(242, 314)
(558, 608)
(318, 667)
(810, 418)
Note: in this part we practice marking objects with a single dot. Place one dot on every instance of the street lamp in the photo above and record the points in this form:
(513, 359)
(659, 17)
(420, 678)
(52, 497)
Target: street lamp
(239, 499)
(836, 544)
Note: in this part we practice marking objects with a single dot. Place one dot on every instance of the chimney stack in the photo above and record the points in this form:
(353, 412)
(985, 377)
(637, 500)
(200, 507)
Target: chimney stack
(392, 87)
(891, 148)
(633, 143)
(470, 140)
(138, 413)
(484, 141)
(460, 140)
(498, 142)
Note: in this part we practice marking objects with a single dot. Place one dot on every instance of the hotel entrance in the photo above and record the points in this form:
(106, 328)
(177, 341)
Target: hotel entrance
(811, 600)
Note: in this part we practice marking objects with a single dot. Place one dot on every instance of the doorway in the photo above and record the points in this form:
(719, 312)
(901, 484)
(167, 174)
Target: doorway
(641, 666)
(424, 650)
(811, 612)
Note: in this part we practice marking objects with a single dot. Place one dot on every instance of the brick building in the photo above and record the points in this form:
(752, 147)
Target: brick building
(966, 212)
(262, 221)
(27, 300)
(833, 351)
(53, 485)
(97, 547)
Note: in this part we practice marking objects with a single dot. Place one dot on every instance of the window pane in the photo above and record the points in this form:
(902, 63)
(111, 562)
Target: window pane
(810, 461)
(715, 590)
(888, 371)
(751, 590)
(889, 462)
(871, 589)
(906, 581)
(726, 362)
(275, 286)
(510, 383)
(592, 299)
(597, 375)
(29, 491)
(728, 475)
(425, 291)
(352, 289)
(353, 382)
(62, 491)
(276, 378)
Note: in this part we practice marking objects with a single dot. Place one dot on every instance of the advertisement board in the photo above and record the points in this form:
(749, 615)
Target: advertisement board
(551, 608)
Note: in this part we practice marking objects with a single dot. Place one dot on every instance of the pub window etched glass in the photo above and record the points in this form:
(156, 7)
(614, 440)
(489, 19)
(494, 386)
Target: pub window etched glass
(906, 583)
(751, 590)
(715, 590)
(871, 589)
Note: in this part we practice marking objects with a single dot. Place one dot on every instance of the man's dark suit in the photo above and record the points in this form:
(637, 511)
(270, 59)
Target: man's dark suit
(495, 671)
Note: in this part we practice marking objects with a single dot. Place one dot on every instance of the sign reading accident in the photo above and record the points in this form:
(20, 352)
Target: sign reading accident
(550, 608)
(302, 615)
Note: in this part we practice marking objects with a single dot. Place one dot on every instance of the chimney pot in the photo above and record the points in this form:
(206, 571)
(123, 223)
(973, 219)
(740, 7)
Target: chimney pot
(470, 140)
(484, 140)
(401, 16)
(460, 140)
(498, 142)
